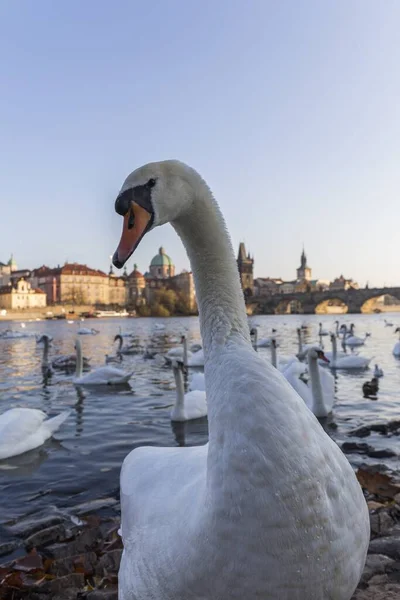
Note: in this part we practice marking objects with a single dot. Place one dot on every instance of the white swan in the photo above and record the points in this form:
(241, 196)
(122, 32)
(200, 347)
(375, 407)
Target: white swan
(101, 376)
(86, 331)
(322, 331)
(192, 405)
(179, 352)
(396, 349)
(197, 359)
(303, 348)
(319, 396)
(378, 372)
(270, 507)
(349, 339)
(197, 382)
(281, 362)
(347, 362)
(388, 323)
(24, 429)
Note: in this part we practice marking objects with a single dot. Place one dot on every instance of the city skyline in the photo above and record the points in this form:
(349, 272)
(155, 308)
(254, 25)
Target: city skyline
(289, 112)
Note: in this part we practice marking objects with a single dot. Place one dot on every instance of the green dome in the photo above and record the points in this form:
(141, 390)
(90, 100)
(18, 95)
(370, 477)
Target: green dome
(161, 259)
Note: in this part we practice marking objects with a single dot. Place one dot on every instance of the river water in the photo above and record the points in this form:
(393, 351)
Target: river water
(83, 459)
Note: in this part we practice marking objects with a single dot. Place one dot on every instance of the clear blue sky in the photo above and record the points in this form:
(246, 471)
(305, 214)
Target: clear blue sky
(289, 109)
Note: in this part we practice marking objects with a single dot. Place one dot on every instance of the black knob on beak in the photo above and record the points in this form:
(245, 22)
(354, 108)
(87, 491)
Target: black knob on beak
(123, 202)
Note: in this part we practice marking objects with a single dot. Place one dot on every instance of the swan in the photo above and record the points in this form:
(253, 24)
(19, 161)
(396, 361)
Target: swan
(100, 376)
(87, 331)
(370, 388)
(192, 405)
(197, 359)
(322, 331)
(24, 429)
(122, 349)
(303, 348)
(396, 349)
(319, 396)
(346, 362)
(197, 382)
(378, 372)
(63, 361)
(388, 324)
(282, 362)
(263, 342)
(195, 347)
(350, 339)
(270, 507)
(180, 352)
(45, 340)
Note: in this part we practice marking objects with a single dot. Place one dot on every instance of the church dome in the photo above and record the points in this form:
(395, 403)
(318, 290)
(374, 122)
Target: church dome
(161, 259)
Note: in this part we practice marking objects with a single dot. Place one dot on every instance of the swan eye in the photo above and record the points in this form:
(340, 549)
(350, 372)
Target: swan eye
(151, 183)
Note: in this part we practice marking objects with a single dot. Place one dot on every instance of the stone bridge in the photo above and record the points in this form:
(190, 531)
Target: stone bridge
(307, 302)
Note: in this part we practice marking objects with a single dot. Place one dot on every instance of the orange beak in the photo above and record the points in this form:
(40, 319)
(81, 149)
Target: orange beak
(136, 222)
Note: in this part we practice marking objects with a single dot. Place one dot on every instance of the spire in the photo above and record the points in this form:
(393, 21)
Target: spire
(303, 260)
(242, 252)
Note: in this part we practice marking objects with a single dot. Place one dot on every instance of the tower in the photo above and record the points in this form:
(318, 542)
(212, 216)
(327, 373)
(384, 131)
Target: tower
(245, 265)
(304, 271)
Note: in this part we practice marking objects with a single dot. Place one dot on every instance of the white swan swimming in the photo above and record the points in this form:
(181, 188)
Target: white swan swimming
(396, 349)
(263, 342)
(346, 362)
(86, 330)
(281, 362)
(378, 372)
(197, 382)
(192, 405)
(388, 323)
(62, 361)
(350, 339)
(179, 352)
(270, 507)
(319, 396)
(24, 429)
(321, 331)
(101, 376)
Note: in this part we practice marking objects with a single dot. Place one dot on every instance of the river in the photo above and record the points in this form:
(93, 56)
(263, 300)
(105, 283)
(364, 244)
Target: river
(83, 460)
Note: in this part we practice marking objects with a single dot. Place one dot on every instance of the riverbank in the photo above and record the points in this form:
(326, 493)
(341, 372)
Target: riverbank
(40, 314)
(77, 555)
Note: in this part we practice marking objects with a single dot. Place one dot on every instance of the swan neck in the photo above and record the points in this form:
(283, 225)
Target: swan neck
(316, 388)
(274, 356)
(45, 358)
(334, 350)
(219, 293)
(300, 341)
(185, 352)
(180, 392)
(79, 360)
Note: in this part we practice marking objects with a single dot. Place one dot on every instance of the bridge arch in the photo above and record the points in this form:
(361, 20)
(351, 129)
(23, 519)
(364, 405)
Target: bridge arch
(331, 306)
(289, 306)
(378, 302)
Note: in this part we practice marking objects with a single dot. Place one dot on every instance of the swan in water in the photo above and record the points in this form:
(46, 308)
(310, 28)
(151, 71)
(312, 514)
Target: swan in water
(303, 348)
(86, 331)
(23, 429)
(378, 371)
(101, 376)
(179, 352)
(396, 349)
(388, 323)
(63, 361)
(271, 502)
(197, 382)
(46, 368)
(322, 331)
(319, 396)
(263, 342)
(350, 339)
(122, 349)
(346, 362)
(282, 362)
(192, 405)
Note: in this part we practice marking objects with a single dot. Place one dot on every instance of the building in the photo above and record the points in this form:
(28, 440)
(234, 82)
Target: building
(6, 269)
(135, 288)
(161, 275)
(161, 266)
(304, 271)
(21, 295)
(246, 266)
(288, 287)
(267, 286)
(340, 283)
(74, 283)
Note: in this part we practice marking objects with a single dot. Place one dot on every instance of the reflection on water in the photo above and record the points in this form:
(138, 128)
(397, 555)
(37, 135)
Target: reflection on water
(83, 459)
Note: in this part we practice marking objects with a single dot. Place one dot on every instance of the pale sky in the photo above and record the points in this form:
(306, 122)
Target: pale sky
(289, 110)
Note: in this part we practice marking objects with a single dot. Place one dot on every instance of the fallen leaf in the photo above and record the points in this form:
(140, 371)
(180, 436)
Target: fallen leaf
(377, 483)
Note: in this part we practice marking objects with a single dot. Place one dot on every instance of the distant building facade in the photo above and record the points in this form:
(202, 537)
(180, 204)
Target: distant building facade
(161, 275)
(21, 295)
(6, 269)
(246, 266)
(341, 283)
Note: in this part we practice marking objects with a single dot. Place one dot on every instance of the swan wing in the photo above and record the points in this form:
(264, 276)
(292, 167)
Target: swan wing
(195, 405)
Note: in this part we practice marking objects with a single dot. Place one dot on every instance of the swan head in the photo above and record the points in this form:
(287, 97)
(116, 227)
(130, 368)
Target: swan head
(397, 330)
(315, 353)
(152, 195)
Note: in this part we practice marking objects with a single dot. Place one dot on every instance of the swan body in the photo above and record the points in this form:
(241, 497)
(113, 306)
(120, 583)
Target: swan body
(349, 339)
(187, 407)
(197, 359)
(100, 376)
(396, 349)
(195, 347)
(347, 362)
(197, 382)
(270, 507)
(378, 372)
(370, 388)
(24, 429)
(87, 331)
